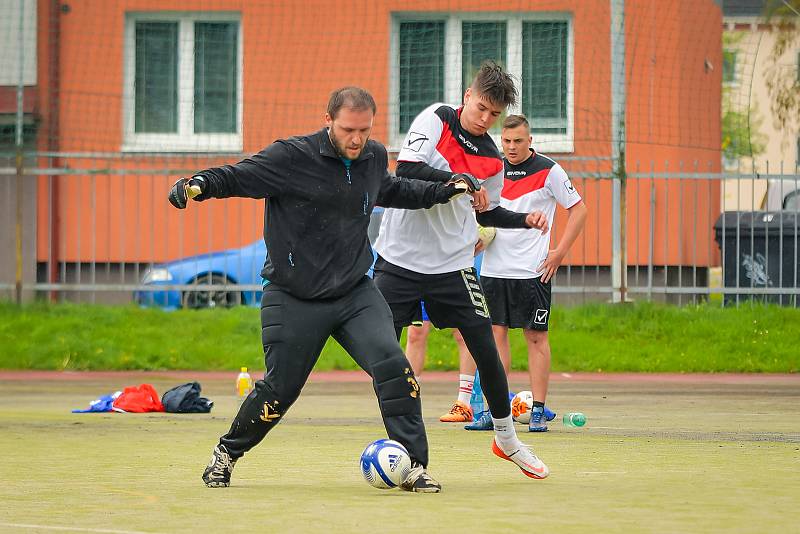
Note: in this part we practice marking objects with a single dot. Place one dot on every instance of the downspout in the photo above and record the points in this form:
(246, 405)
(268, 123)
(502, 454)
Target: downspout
(54, 83)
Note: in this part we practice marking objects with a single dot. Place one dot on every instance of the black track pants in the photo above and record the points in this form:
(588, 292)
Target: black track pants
(294, 331)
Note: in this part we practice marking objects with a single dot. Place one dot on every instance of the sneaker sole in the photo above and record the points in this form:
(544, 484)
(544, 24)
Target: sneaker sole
(483, 428)
(459, 420)
(426, 490)
(499, 452)
(217, 484)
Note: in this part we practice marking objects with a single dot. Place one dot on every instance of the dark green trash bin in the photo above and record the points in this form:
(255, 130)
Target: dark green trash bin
(760, 254)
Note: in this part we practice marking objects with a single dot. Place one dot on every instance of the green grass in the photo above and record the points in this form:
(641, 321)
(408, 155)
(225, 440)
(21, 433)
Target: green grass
(668, 457)
(640, 337)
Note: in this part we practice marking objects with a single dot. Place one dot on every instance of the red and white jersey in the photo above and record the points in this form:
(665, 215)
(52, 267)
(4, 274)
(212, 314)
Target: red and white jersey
(535, 184)
(441, 239)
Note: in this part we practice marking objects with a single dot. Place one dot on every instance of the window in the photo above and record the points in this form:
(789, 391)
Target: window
(481, 41)
(421, 76)
(435, 58)
(544, 71)
(183, 88)
(728, 66)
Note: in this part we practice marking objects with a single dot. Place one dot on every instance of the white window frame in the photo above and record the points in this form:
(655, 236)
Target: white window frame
(13, 37)
(185, 140)
(453, 92)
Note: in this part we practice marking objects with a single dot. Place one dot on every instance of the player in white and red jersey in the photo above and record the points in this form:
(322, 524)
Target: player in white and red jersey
(518, 266)
(428, 255)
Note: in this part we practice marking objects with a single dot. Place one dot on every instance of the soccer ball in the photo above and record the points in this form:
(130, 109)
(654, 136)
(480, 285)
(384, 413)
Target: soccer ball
(521, 406)
(385, 463)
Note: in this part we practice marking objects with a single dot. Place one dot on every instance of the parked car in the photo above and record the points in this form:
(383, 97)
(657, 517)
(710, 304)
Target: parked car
(228, 267)
(232, 267)
(783, 195)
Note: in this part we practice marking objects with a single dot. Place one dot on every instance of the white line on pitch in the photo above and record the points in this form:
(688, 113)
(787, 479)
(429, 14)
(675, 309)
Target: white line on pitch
(71, 529)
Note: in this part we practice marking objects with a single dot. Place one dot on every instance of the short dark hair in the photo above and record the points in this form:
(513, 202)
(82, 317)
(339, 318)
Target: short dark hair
(512, 121)
(355, 98)
(495, 84)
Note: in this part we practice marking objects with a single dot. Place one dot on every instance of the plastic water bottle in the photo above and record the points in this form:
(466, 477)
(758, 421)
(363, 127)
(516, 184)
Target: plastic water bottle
(574, 419)
(476, 401)
(244, 384)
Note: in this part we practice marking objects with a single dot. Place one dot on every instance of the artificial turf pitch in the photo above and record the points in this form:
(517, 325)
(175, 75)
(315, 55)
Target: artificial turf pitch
(693, 454)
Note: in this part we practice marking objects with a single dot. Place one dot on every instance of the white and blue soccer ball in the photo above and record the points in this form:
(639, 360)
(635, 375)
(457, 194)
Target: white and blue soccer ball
(385, 463)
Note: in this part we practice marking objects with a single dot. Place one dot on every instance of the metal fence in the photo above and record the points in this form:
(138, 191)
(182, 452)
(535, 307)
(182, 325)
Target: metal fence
(98, 228)
(86, 225)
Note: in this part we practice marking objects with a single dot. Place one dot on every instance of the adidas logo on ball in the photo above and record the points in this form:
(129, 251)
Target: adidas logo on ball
(385, 463)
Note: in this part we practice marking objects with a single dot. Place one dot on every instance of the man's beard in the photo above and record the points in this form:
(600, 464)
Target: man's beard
(340, 150)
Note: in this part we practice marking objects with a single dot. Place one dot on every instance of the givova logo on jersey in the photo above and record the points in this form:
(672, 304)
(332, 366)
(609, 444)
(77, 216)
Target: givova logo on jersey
(468, 144)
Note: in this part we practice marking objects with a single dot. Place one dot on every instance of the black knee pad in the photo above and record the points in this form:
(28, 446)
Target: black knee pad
(263, 405)
(397, 389)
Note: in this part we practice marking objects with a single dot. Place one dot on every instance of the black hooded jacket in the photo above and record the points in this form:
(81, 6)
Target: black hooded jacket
(317, 210)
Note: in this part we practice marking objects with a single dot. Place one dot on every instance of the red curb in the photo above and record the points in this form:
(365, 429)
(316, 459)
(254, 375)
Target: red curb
(428, 376)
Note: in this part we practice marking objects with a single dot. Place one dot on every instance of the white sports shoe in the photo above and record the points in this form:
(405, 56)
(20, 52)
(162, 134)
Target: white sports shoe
(528, 462)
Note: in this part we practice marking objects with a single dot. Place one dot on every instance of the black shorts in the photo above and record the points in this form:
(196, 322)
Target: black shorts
(452, 300)
(521, 303)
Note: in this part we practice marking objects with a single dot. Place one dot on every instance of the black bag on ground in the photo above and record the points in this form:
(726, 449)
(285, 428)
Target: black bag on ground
(186, 399)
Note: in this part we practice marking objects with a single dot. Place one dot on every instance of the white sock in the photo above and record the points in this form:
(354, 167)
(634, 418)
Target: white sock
(465, 383)
(505, 434)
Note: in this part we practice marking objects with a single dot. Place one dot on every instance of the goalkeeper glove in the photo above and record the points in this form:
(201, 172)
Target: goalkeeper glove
(465, 182)
(184, 189)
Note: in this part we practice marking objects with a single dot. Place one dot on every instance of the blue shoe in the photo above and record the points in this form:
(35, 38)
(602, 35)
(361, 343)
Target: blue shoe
(484, 422)
(549, 414)
(538, 421)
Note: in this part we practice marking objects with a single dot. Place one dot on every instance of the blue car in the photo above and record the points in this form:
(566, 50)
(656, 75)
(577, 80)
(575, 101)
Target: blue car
(232, 267)
(237, 266)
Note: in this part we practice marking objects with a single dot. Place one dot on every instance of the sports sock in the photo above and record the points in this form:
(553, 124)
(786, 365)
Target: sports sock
(505, 434)
(537, 404)
(465, 383)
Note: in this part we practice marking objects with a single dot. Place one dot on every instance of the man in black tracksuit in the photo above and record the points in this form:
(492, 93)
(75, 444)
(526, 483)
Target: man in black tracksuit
(320, 190)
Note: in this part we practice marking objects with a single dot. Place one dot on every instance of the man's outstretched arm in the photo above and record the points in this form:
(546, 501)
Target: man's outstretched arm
(405, 193)
(258, 176)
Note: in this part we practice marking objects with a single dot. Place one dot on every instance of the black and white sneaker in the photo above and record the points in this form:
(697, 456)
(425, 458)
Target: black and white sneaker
(218, 472)
(419, 481)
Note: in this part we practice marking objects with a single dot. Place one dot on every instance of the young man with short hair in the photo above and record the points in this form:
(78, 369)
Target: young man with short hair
(319, 192)
(427, 255)
(518, 266)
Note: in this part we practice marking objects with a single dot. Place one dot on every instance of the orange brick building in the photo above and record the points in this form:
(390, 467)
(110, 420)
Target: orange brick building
(139, 91)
